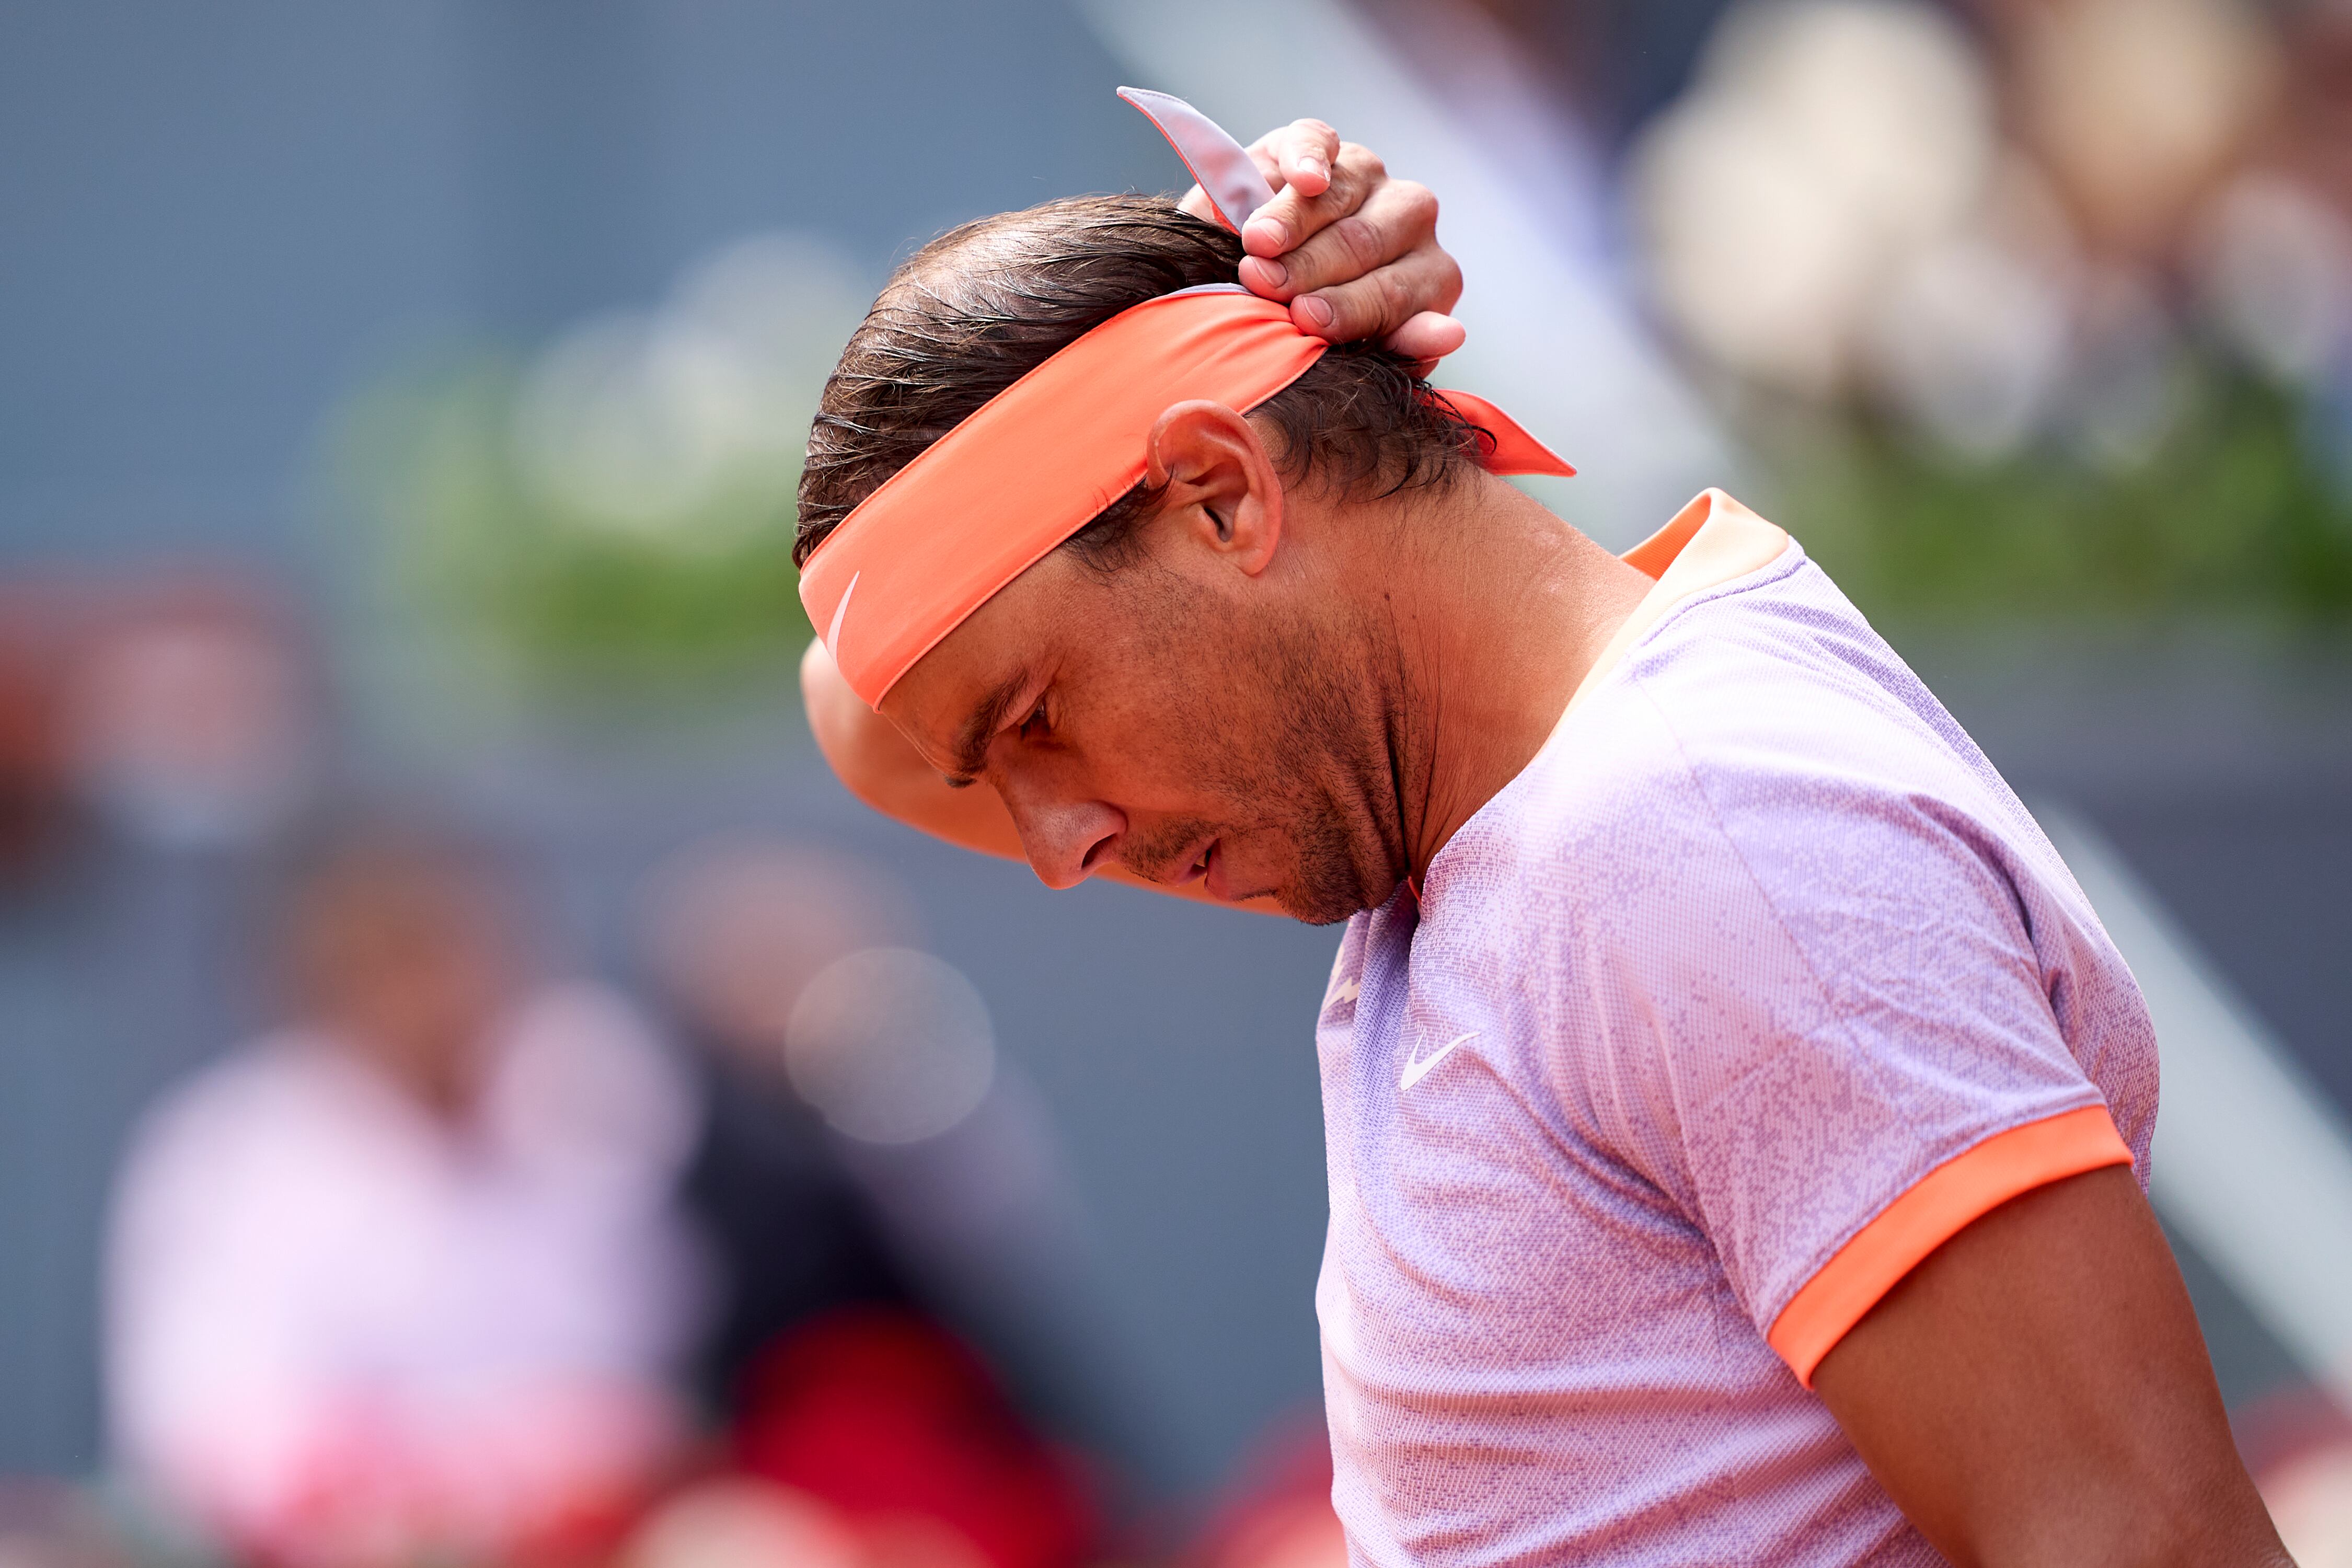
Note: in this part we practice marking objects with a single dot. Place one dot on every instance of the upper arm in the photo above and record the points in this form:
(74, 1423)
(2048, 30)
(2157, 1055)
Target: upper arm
(2037, 1391)
(1846, 1067)
(1838, 1045)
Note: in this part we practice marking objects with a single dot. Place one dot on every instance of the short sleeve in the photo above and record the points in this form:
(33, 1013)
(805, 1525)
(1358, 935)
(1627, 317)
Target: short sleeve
(1826, 1033)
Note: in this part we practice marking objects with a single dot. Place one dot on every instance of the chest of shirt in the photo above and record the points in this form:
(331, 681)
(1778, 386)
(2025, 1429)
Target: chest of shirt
(1468, 1206)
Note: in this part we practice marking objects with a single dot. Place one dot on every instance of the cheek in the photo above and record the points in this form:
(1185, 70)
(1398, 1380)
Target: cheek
(1179, 756)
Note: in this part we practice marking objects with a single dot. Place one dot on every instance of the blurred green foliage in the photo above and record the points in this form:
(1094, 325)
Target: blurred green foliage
(571, 604)
(2234, 512)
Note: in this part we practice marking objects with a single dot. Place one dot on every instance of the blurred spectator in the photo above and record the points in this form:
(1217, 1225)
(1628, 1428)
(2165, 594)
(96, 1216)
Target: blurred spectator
(864, 1179)
(401, 1280)
(174, 707)
(734, 928)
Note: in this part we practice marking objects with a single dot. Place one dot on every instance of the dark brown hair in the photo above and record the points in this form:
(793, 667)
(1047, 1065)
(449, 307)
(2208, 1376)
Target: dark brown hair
(982, 306)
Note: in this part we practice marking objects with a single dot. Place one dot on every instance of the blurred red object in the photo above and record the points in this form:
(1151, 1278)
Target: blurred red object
(896, 1423)
(2297, 1443)
(1279, 1515)
(36, 775)
(182, 703)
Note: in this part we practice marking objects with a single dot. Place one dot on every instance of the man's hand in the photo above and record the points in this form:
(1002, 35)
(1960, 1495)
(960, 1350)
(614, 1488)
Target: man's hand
(1353, 252)
(2036, 1391)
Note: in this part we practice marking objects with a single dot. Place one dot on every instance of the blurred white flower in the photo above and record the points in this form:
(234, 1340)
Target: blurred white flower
(2131, 381)
(891, 1045)
(2137, 103)
(2276, 271)
(647, 423)
(1826, 140)
(1970, 343)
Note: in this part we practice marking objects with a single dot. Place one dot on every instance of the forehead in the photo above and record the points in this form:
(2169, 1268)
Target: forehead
(1021, 635)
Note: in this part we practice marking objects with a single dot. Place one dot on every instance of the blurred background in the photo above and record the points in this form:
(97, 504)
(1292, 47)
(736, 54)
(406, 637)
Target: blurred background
(473, 1087)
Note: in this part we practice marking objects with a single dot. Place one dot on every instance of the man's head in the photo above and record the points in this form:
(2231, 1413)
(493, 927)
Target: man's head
(402, 943)
(1192, 684)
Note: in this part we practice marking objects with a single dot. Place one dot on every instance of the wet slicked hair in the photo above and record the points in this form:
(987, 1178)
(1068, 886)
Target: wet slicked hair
(982, 306)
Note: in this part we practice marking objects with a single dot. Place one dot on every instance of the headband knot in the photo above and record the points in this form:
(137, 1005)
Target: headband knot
(1043, 458)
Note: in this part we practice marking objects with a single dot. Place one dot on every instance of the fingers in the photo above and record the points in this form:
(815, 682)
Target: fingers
(1296, 213)
(1299, 153)
(1353, 252)
(1395, 220)
(1427, 338)
(1302, 153)
(1383, 301)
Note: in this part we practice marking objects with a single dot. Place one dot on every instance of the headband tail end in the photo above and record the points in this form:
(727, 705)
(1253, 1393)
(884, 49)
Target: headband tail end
(1512, 450)
(1223, 167)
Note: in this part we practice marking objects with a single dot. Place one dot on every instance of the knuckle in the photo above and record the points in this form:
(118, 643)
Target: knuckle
(1349, 190)
(1444, 276)
(1364, 160)
(1416, 202)
(1347, 313)
(1360, 241)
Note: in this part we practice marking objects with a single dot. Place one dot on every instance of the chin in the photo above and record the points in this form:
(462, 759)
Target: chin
(1318, 909)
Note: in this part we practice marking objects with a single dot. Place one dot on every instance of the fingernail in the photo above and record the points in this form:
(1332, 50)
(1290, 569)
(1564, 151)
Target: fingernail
(1315, 167)
(1316, 310)
(1274, 231)
(1276, 274)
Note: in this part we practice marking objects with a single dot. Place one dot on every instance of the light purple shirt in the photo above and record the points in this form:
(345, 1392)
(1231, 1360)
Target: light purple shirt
(1757, 941)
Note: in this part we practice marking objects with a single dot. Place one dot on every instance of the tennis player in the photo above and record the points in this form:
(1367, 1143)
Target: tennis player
(1737, 1121)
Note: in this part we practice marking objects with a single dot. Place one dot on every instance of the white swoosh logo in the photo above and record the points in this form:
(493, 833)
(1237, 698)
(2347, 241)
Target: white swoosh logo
(833, 633)
(1417, 1071)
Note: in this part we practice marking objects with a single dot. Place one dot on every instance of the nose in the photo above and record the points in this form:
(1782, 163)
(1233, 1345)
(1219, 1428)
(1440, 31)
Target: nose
(1065, 839)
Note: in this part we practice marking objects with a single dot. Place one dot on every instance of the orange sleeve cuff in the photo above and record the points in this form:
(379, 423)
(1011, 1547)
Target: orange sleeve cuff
(1938, 1207)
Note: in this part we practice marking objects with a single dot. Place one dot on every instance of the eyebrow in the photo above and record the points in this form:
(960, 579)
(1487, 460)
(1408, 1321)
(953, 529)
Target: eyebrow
(972, 741)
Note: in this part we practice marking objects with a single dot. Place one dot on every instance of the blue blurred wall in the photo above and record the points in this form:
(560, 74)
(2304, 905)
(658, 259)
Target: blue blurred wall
(217, 219)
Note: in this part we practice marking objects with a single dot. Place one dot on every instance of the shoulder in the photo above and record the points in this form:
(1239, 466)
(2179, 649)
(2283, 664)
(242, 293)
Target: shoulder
(268, 1117)
(1761, 770)
(272, 1087)
(581, 1079)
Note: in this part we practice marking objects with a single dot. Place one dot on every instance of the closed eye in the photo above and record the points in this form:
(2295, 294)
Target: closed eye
(1037, 727)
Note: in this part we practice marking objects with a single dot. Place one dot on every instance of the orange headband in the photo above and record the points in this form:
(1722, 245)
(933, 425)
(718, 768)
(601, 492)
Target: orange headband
(1046, 456)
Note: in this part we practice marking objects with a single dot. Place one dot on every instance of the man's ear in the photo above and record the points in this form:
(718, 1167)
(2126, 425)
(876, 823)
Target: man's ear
(1218, 484)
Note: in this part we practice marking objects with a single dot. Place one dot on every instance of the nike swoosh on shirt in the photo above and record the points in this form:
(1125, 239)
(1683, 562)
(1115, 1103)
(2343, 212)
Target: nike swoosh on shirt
(1415, 1071)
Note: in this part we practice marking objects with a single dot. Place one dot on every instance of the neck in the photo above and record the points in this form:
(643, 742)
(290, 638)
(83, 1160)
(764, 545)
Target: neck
(1500, 612)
